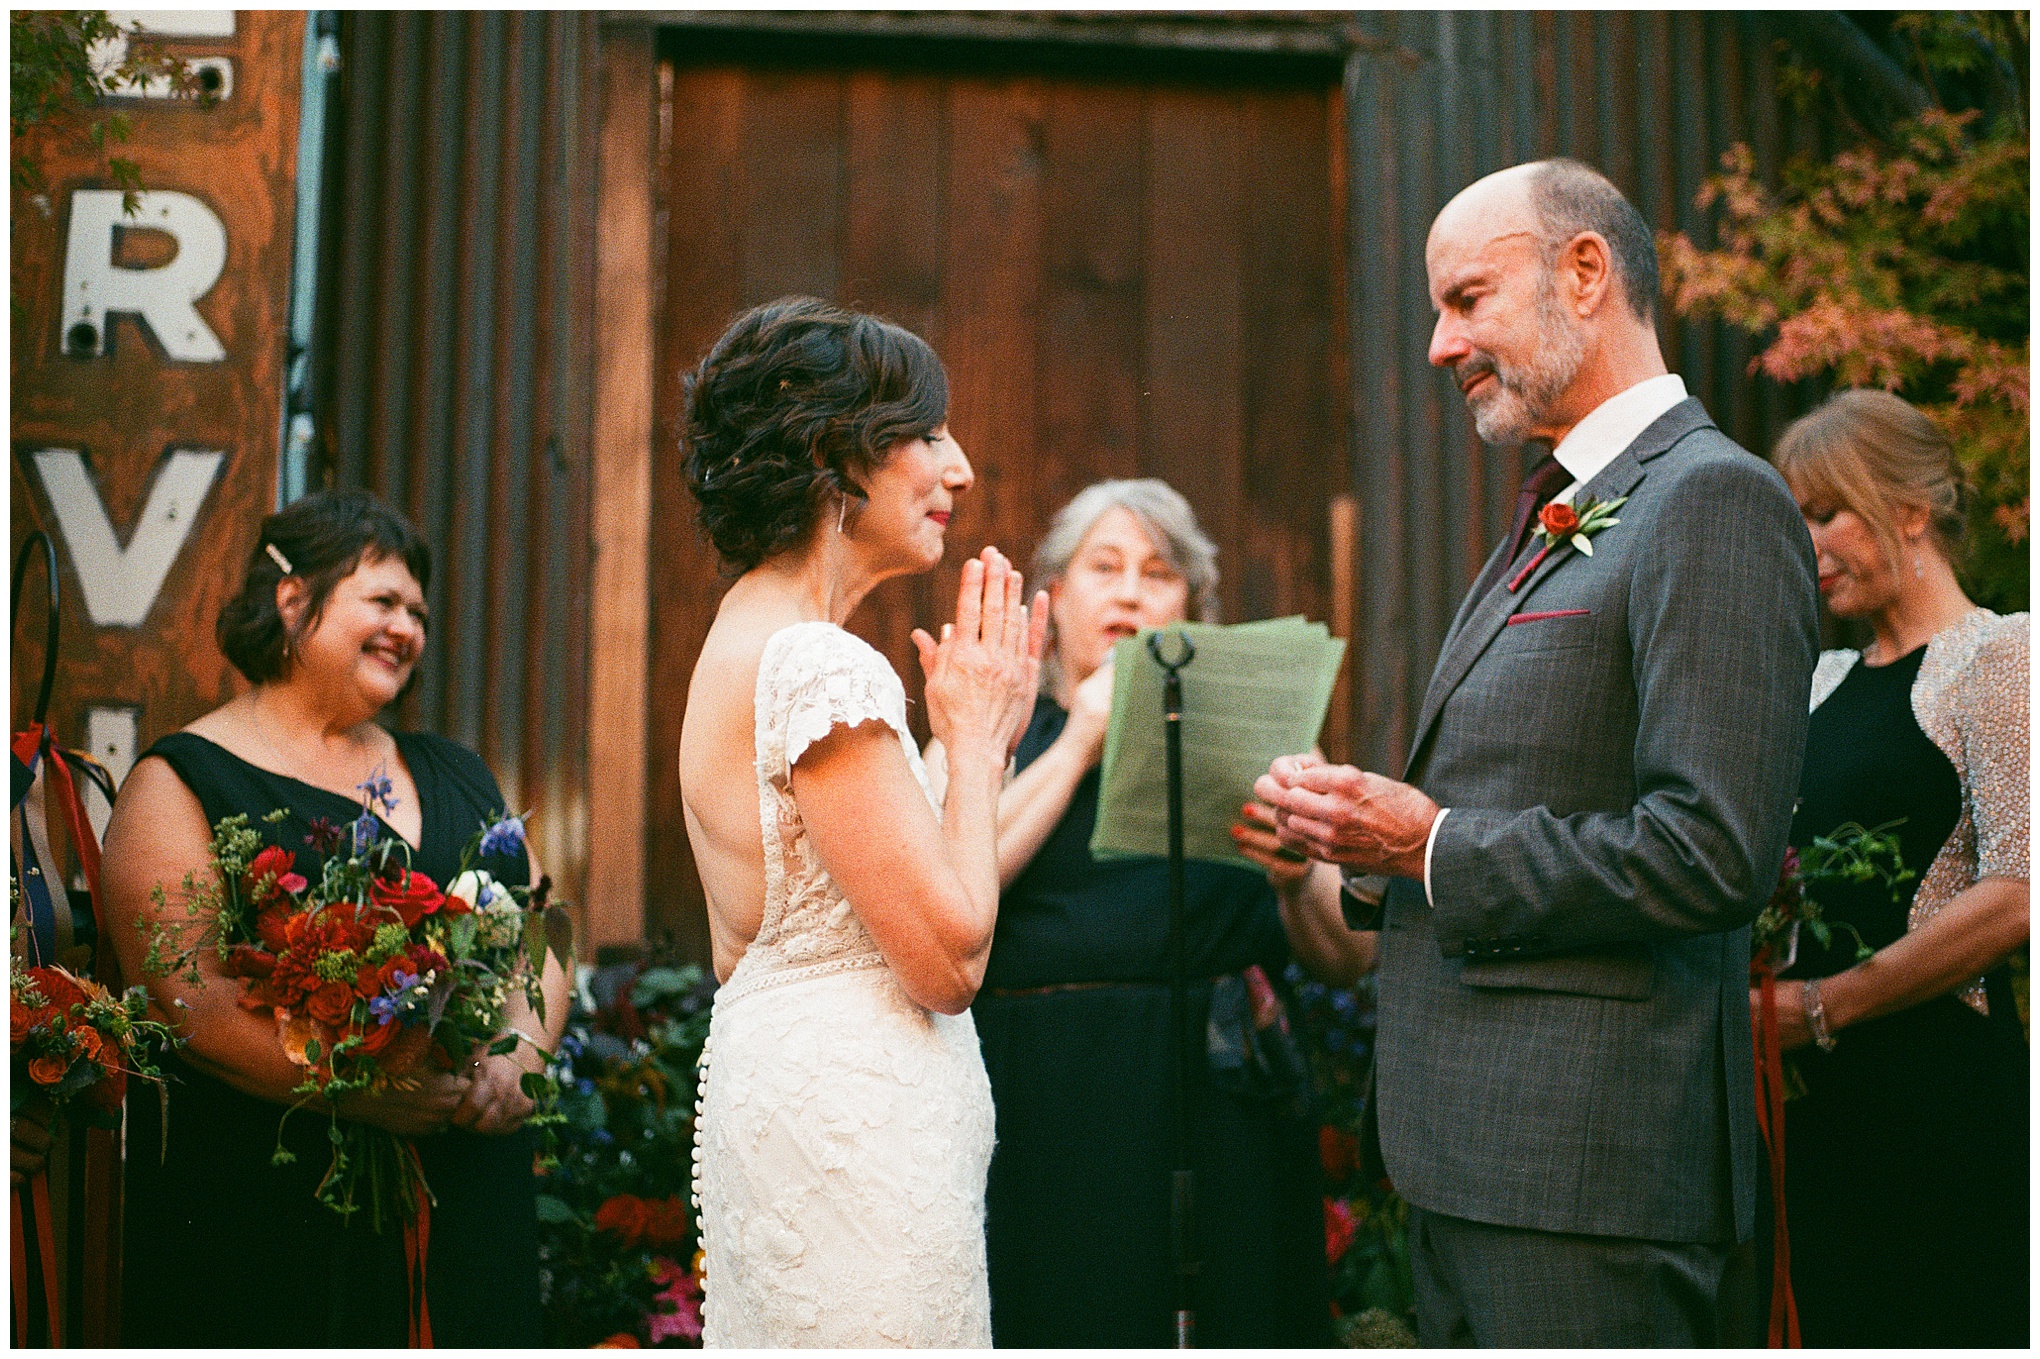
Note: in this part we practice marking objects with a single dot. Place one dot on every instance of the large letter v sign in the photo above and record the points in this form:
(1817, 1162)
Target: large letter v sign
(121, 584)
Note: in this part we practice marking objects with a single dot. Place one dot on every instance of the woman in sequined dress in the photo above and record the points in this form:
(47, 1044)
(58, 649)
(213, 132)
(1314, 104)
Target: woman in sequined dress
(1906, 1160)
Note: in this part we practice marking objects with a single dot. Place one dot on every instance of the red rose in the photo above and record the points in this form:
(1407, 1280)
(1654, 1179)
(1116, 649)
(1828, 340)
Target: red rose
(21, 1019)
(1558, 518)
(1339, 1229)
(395, 1046)
(270, 876)
(412, 896)
(331, 1003)
(625, 1216)
(47, 1070)
(57, 987)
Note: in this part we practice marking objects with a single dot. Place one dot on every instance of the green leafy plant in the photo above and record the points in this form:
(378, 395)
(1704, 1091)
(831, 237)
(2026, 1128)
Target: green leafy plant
(617, 1243)
(1900, 263)
(1366, 1223)
(58, 85)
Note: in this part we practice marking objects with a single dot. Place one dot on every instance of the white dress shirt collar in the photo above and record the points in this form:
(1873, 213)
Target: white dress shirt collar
(1613, 426)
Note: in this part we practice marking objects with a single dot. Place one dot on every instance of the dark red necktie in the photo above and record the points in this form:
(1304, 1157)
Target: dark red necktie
(1547, 478)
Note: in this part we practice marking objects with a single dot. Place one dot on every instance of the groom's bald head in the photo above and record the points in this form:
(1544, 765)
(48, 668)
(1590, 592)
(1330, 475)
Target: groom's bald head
(1554, 202)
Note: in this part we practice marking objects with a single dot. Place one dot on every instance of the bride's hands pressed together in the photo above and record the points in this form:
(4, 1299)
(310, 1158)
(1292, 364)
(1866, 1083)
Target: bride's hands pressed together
(982, 675)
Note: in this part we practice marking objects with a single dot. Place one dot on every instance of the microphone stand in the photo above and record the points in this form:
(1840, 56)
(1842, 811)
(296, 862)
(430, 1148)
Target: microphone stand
(1182, 1196)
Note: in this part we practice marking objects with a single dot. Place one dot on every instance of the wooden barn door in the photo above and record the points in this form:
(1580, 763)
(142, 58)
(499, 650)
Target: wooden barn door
(1125, 278)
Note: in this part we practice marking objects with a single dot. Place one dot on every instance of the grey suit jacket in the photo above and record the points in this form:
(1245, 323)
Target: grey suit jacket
(1564, 1034)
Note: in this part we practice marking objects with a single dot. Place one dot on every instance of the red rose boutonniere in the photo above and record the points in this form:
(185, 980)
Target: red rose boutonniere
(1559, 522)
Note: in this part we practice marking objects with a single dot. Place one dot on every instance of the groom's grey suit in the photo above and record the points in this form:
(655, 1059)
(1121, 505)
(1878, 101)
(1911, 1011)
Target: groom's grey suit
(1564, 1037)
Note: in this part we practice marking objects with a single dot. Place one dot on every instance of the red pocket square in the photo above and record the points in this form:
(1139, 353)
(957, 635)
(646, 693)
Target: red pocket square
(1551, 613)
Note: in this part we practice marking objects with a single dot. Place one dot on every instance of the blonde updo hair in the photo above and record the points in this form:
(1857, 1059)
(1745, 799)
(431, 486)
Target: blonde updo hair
(1874, 454)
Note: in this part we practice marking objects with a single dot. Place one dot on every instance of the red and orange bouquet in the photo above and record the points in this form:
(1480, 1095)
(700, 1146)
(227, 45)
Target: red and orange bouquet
(373, 974)
(76, 1043)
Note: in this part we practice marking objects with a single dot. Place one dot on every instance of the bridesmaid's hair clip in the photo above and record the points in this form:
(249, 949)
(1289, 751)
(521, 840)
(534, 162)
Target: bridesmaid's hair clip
(276, 555)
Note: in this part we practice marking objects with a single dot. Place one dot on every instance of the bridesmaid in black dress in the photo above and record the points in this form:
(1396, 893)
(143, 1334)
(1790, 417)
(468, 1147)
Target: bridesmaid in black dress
(222, 1247)
(1073, 1018)
(1906, 1161)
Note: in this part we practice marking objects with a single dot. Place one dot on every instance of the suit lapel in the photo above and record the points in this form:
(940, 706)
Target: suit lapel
(1484, 614)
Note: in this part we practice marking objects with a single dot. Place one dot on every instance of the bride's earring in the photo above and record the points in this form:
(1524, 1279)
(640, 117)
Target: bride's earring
(842, 512)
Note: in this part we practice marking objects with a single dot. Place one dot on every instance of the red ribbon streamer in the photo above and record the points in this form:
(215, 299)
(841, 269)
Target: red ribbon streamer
(417, 1248)
(1784, 1329)
(38, 1212)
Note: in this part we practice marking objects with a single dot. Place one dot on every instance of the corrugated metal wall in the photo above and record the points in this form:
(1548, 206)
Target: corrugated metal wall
(1434, 100)
(456, 331)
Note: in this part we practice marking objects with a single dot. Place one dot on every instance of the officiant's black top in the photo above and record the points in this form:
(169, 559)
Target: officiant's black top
(225, 1249)
(1906, 1160)
(1073, 1020)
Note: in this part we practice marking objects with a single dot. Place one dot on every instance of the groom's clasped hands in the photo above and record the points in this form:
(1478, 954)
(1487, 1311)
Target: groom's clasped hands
(1342, 815)
(983, 673)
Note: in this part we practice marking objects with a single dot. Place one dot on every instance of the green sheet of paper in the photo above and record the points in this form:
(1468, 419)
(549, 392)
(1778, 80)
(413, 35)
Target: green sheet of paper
(1253, 692)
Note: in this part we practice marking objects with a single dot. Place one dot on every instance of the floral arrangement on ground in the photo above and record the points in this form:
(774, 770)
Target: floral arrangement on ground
(1373, 1296)
(618, 1255)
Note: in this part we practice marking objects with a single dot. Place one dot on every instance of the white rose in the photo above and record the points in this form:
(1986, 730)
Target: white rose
(470, 887)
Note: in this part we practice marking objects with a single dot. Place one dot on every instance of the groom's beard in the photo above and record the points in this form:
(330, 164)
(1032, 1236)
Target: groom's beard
(1524, 392)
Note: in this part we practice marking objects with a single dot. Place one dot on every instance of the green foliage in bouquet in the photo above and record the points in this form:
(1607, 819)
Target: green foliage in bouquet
(617, 1242)
(374, 974)
(74, 1043)
(1849, 855)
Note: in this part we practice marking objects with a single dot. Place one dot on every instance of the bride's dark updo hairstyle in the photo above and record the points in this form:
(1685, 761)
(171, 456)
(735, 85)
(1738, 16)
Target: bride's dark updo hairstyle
(796, 403)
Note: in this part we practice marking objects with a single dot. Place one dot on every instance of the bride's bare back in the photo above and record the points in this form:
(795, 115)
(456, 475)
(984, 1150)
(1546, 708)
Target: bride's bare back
(718, 773)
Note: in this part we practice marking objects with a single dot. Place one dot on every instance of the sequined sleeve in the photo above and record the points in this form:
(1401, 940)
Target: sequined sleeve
(1991, 712)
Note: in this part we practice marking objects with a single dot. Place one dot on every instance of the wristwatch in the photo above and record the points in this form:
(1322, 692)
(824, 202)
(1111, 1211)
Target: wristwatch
(1816, 1018)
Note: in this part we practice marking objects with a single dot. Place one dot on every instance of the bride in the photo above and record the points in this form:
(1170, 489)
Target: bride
(845, 1123)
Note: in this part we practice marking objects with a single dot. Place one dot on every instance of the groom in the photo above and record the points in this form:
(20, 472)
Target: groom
(1597, 802)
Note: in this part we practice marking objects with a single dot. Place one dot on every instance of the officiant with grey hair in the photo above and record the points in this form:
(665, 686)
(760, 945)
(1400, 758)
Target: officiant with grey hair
(1074, 1014)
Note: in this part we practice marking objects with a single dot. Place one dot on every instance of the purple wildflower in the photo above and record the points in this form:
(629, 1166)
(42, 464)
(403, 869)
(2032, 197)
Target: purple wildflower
(365, 831)
(323, 836)
(505, 837)
(379, 788)
(383, 1008)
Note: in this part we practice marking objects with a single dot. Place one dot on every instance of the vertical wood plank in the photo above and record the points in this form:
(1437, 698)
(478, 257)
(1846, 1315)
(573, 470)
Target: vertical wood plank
(702, 198)
(1090, 331)
(1192, 363)
(621, 519)
(893, 246)
(991, 285)
(793, 182)
(1294, 458)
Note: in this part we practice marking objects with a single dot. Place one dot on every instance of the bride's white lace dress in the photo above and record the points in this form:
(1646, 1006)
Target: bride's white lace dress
(843, 1132)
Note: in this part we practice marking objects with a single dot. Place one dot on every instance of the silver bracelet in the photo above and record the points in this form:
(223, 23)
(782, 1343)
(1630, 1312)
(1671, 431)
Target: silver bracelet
(1816, 1018)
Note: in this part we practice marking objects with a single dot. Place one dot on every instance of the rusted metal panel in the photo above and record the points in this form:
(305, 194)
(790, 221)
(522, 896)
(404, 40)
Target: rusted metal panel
(152, 462)
(455, 332)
